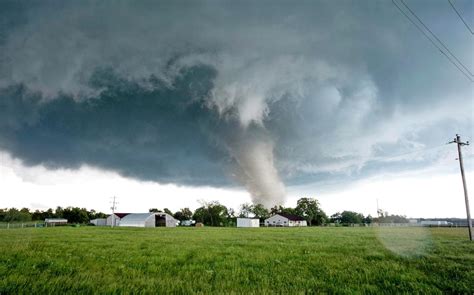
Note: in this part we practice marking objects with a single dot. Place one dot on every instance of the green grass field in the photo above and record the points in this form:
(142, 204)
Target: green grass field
(90, 260)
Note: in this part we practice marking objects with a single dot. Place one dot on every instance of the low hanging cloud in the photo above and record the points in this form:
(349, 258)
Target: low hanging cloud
(258, 94)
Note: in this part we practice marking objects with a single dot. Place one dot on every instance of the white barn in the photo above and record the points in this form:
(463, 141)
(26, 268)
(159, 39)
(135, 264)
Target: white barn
(151, 219)
(282, 219)
(116, 217)
(248, 222)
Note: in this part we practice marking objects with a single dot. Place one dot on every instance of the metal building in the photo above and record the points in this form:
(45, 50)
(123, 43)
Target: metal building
(148, 220)
(248, 222)
(115, 218)
(55, 221)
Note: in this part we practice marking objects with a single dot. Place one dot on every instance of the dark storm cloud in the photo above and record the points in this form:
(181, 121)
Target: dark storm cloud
(207, 92)
(158, 133)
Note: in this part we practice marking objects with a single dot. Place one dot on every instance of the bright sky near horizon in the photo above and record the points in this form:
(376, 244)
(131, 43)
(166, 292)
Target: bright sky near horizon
(419, 194)
(167, 103)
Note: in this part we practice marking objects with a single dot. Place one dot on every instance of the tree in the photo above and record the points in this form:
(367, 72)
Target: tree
(42, 215)
(245, 210)
(257, 211)
(335, 218)
(183, 214)
(231, 218)
(3, 212)
(92, 214)
(38, 215)
(25, 210)
(351, 217)
(230, 213)
(260, 212)
(14, 214)
(275, 210)
(309, 208)
(168, 211)
(72, 214)
(178, 216)
(58, 213)
(76, 215)
(282, 210)
(212, 213)
(201, 215)
(187, 213)
(392, 219)
(49, 213)
(368, 219)
(218, 214)
(154, 210)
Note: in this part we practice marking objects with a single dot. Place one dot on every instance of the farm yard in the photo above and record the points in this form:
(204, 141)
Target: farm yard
(234, 260)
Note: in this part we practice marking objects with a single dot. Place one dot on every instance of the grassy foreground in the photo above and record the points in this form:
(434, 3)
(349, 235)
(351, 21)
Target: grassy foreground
(90, 260)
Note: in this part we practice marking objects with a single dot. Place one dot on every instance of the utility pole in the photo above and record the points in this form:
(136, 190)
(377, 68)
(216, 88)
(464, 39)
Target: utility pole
(379, 211)
(114, 206)
(458, 141)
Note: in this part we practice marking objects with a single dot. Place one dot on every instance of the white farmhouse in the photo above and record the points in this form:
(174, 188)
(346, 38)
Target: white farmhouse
(151, 219)
(282, 219)
(248, 222)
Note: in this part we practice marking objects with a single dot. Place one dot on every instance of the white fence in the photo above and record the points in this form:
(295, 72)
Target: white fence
(6, 225)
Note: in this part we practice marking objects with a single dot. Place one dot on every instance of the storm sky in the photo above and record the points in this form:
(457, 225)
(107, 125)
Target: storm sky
(277, 98)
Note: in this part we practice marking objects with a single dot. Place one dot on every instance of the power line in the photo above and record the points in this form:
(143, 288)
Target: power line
(408, 153)
(432, 42)
(434, 35)
(460, 16)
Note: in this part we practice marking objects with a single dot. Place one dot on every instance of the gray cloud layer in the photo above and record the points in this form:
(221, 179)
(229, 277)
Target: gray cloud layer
(206, 93)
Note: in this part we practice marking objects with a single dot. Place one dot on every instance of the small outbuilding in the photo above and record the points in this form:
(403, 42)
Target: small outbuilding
(282, 219)
(151, 219)
(55, 221)
(248, 222)
(99, 222)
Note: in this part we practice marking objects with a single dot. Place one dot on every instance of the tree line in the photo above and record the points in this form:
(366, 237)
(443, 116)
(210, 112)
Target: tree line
(212, 213)
(72, 214)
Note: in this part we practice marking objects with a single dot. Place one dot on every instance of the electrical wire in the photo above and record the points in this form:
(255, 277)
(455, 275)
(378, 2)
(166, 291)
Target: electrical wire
(408, 153)
(432, 42)
(434, 35)
(460, 16)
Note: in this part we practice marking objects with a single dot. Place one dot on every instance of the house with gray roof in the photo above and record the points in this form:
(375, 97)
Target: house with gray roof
(282, 219)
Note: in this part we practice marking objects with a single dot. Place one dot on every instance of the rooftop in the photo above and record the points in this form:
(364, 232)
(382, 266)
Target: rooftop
(121, 215)
(291, 216)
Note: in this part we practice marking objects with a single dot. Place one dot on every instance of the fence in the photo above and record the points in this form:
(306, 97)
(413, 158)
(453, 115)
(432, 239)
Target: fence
(8, 225)
(417, 225)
